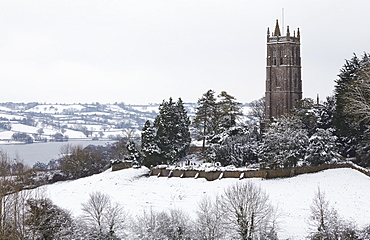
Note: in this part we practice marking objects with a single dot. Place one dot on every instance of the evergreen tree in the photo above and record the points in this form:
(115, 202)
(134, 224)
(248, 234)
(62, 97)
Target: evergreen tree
(172, 125)
(348, 127)
(229, 109)
(205, 116)
(304, 111)
(238, 147)
(363, 149)
(321, 148)
(325, 112)
(133, 153)
(284, 143)
(342, 122)
(183, 138)
(149, 147)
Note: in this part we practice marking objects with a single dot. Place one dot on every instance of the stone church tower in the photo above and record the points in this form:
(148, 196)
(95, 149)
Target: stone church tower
(283, 72)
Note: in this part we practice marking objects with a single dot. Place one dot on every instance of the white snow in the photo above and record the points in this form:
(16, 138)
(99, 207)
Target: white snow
(5, 109)
(146, 108)
(74, 134)
(6, 135)
(55, 108)
(11, 116)
(18, 127)
(346, 189)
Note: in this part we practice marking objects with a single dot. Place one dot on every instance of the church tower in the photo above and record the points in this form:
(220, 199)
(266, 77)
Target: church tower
(283, 72)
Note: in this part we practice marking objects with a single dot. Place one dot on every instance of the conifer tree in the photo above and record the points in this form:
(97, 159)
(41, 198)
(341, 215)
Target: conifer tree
(342, 122)
(149, 147)
(284, 143)
(133, 153)
(348, 127)
(205, 116)
(325, 113)
(183, 138)
(321, 148)
(305, 112)
(229, 109)
(172, 125)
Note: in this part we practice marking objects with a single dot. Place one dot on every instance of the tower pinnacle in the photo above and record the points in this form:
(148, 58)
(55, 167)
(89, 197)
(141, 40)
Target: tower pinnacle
(298, 34)
(277, 29)
(288, 34)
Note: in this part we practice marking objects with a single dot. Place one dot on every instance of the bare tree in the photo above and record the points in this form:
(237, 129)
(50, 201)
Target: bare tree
(258, 109)
(115, 218)
(105, 127)
(209, 223)
(322, 216)
(12, 199)
(325, 222)
(248, 211)
(77, 162)
(29, 215)
(105, 216)
(146, 226)
(95, 209)
(172, 225)
(129, 134)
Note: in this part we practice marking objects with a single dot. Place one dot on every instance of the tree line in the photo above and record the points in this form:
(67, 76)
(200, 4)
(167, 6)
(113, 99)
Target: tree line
(312, 133)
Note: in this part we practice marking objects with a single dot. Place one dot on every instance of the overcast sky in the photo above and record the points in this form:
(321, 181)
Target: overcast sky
(144, 51)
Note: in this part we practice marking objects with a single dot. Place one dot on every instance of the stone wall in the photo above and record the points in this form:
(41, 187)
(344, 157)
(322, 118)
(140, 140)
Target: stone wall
(121, 165)
(266, 173)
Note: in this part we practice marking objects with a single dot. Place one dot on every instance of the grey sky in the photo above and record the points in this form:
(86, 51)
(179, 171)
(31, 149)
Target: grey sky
(144, 51)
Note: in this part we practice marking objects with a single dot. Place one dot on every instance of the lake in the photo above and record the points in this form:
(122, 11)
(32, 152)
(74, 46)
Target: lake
(43, 152)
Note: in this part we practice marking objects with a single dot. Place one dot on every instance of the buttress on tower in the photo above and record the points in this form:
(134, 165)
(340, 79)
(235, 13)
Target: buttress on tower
(283, 72)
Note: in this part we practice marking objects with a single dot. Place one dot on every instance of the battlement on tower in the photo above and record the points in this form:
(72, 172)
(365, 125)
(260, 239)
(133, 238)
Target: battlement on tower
(282, 39)
(276, 36)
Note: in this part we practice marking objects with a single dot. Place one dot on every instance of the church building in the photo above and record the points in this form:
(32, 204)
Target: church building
(283, 72)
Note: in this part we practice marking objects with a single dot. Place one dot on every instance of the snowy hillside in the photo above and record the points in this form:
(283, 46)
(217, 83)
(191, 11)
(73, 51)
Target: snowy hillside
(346, 189)
(41, 122)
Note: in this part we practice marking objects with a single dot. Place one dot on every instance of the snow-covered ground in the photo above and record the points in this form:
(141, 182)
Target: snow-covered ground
(55, 108)
(17, 127)
(346, 189)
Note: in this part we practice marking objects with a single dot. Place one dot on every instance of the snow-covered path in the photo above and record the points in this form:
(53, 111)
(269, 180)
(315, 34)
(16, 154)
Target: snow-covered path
(347, 190)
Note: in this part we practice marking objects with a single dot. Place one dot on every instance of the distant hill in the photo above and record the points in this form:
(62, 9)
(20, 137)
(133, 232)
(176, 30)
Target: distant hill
(58, 122)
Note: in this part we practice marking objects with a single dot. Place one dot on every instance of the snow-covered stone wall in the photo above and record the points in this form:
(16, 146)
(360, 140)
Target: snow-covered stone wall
(242, 173)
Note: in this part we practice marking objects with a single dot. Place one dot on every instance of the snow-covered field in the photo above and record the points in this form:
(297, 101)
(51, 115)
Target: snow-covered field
(346, 189)
(17, 127)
